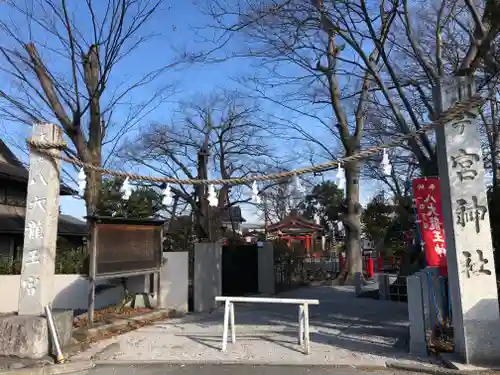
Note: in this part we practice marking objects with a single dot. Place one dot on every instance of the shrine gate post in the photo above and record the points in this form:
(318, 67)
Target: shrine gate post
(469, 248)
(26, 334)
(40, 235)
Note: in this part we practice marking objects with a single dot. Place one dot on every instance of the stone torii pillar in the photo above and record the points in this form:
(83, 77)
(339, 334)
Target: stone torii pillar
(40, 235)
(469, 249)
(26, 334)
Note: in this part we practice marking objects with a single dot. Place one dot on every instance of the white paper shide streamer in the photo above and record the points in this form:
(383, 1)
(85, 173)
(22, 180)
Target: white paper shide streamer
(317, 217)
(167, 196)
(255, 193)
(386, 164)
(126, 189)
(299, 189)
(212, 196)
(340, 177)
(82, 182)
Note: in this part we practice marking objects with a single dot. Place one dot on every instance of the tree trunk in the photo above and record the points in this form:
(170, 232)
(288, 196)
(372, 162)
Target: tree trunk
(352, 224)
(92, 200)
(93, 193)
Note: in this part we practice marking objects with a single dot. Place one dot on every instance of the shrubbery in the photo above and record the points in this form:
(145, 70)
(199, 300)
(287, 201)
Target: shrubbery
(70, 259)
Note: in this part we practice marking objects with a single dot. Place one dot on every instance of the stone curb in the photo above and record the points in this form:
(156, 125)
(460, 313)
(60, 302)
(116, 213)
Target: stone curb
(424, 369)
(57, 369)
(189, 362)
(120, 324)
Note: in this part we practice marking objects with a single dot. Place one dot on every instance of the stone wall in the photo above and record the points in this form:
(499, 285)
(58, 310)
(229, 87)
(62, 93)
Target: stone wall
(266, 269)
(207, 277)
(174, 281)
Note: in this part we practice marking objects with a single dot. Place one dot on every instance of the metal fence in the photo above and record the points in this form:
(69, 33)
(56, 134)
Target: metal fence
(392, 287)
(289, 273)
(326, 268)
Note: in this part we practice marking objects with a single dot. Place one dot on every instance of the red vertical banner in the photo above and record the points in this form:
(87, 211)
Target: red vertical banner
(427, 194)
(369, 267)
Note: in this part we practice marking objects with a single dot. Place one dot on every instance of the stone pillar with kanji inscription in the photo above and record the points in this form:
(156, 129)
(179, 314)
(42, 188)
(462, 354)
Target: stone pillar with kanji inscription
(469, 249)
(40, 234)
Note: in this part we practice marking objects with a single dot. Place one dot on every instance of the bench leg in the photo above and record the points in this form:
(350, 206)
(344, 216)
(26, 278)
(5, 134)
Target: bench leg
(307, 340)
(227, 307)
(233, 330)
(301, 325)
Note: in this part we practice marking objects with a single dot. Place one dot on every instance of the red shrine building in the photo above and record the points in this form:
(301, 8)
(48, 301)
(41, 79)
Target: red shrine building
(296, 228)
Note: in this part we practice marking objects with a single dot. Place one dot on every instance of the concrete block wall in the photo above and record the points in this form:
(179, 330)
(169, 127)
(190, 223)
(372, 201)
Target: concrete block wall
(174, 282)
(69, 291)
(266, 269)
(207, 277)
(424, 304)
(416, 316)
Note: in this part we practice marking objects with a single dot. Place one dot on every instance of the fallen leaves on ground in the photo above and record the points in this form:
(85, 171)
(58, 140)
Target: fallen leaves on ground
(110, 314)
(441, 339)
(131, 326)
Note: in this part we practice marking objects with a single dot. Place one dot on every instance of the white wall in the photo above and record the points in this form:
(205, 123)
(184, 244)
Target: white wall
(70, 292)
(174, 281)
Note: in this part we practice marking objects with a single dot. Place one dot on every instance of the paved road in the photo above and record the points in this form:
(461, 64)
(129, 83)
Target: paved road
(345, 330)
(162, 369)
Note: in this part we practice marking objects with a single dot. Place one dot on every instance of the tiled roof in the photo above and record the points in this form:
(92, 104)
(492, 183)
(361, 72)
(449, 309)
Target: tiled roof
(233, 214)
(68, 225)
(13, 170)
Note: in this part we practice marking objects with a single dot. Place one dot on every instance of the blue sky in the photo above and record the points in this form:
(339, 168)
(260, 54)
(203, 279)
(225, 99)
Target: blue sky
(177, 28)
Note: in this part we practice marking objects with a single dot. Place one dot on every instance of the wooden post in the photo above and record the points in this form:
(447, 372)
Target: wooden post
(40, 234)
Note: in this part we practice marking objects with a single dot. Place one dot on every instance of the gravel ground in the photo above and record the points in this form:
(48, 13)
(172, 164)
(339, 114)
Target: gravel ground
(345, 331)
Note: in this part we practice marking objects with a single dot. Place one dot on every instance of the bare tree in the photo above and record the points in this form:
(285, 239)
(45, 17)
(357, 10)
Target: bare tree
(427, 42)
(403, 161)
(317, 56)
(311, 55)
(277, 201)
(235, 136)
(62, 64)
(490, 116)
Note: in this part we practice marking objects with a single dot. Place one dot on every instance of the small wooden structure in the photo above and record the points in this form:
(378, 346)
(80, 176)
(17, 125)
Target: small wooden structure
(123, 247)
(295, 227)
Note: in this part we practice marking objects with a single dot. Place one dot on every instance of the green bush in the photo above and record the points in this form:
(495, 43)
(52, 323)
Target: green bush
(68, 261)
(71, 261)
(9, 266)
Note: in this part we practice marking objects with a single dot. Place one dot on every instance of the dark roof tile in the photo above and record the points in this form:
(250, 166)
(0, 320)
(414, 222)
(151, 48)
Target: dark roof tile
(68, 225)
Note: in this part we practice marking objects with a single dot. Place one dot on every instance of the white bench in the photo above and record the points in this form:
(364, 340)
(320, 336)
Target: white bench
(304, 339)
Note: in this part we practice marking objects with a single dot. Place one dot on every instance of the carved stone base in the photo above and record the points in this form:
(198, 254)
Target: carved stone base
(482, 343)
(27, 336)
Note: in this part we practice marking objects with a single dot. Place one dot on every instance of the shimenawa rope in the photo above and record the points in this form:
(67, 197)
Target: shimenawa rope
(455, 112)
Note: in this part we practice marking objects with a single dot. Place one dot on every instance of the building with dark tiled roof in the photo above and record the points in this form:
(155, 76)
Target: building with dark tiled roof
(13, 189)
(231, 217)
